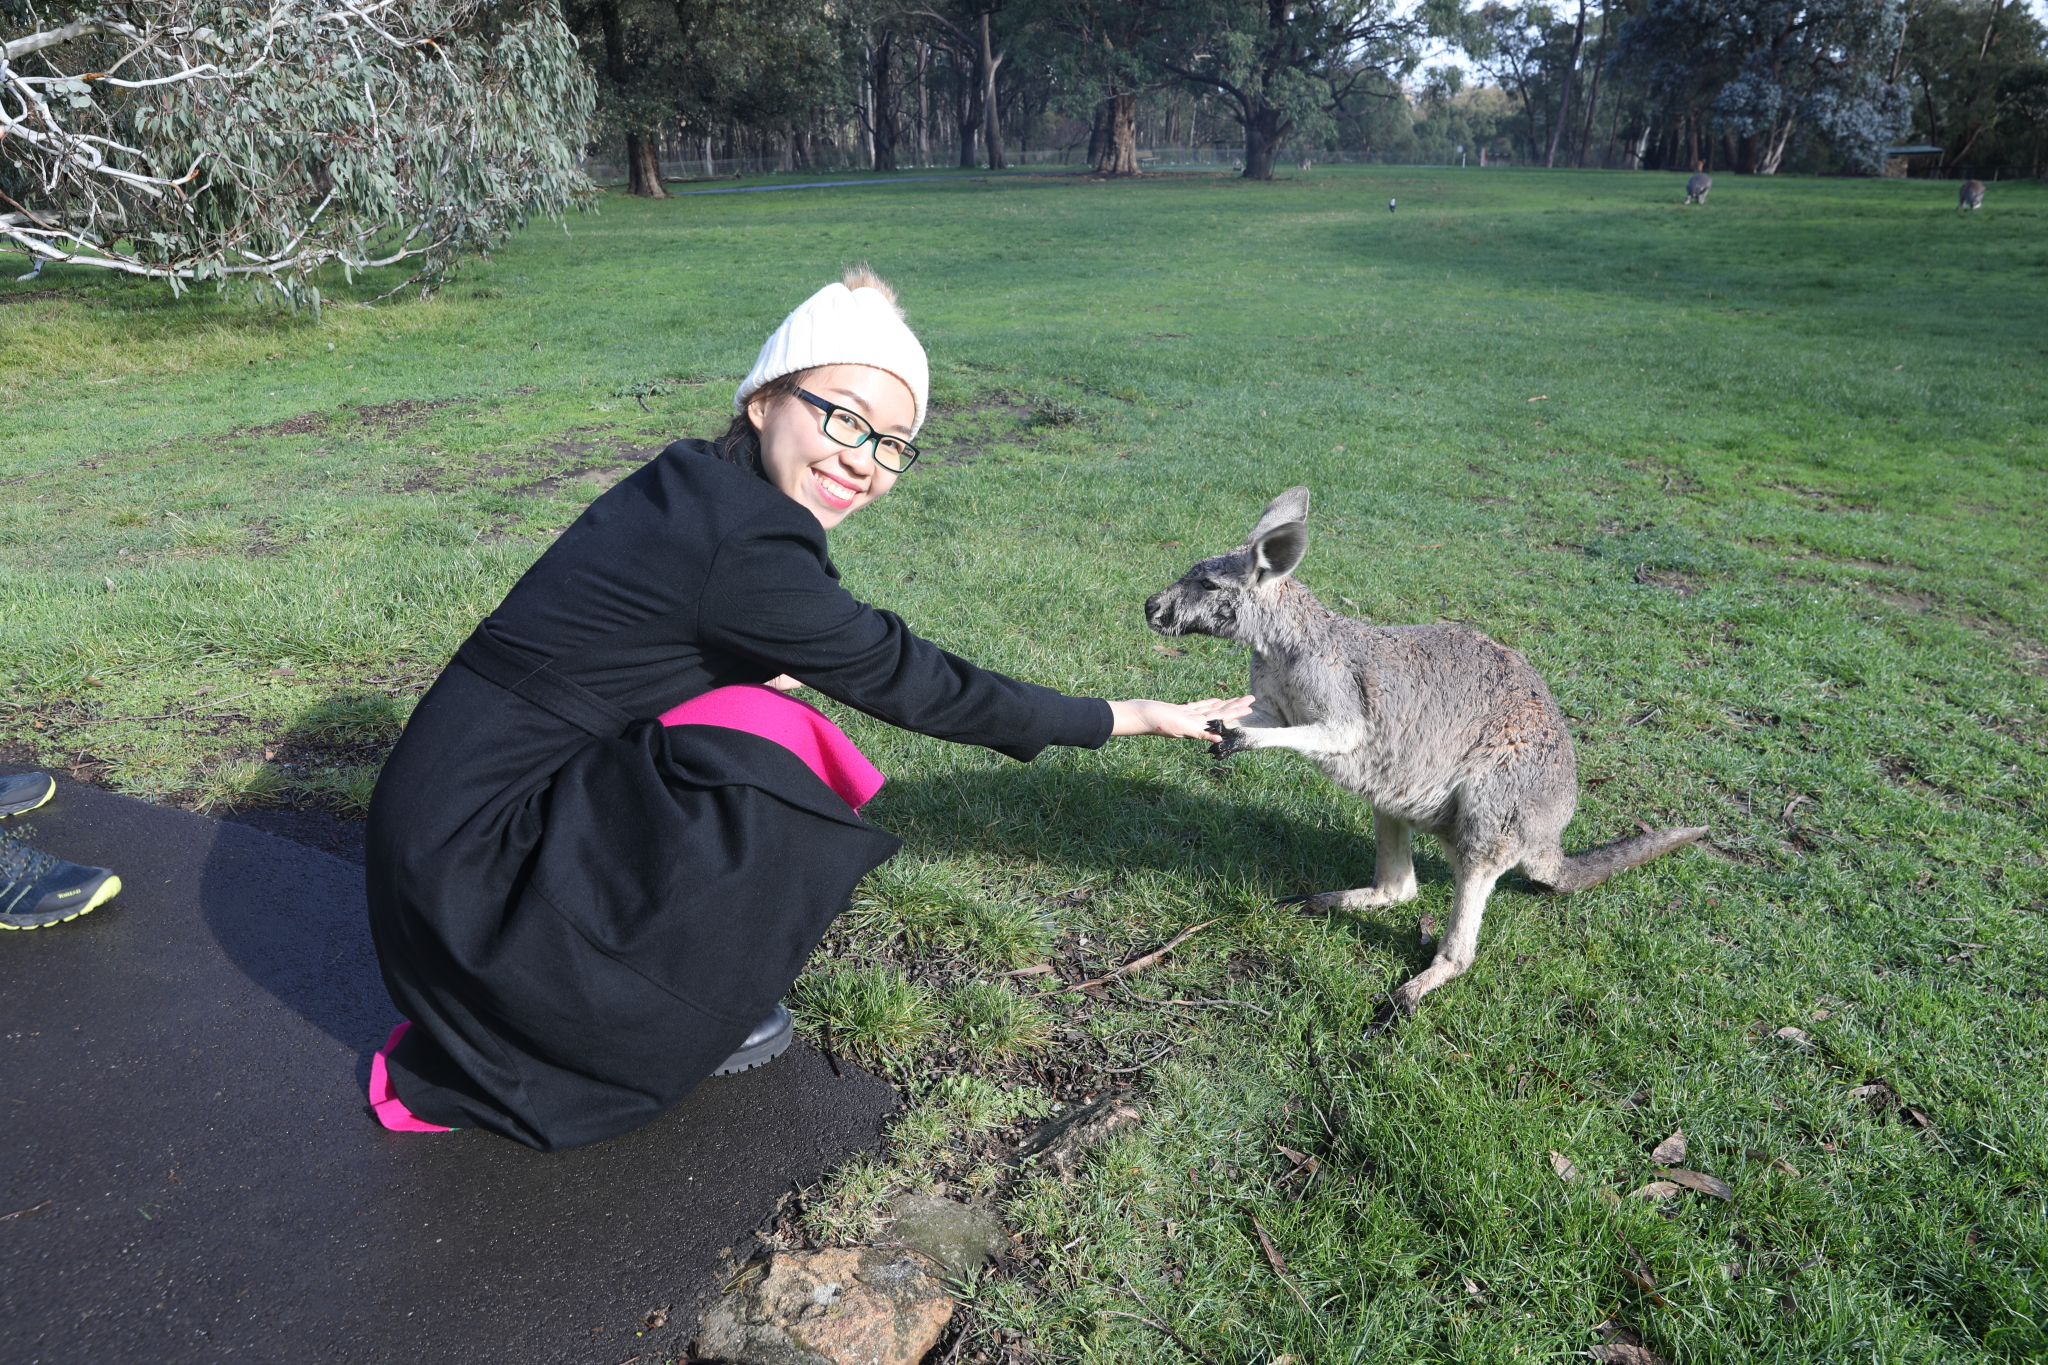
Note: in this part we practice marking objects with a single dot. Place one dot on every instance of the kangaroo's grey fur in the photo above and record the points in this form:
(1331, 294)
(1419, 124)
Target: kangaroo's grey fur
(1971, 196)
(1697, 187)
(1441, 729)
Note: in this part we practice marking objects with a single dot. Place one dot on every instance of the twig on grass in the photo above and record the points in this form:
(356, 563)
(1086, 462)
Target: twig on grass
(1137, 964)
(1156, 1322)
(1125, 1070)
(30, 1209)
(1161, 1000)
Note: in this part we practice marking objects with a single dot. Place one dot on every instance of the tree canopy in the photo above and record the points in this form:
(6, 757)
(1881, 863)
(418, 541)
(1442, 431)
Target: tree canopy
(193, 140)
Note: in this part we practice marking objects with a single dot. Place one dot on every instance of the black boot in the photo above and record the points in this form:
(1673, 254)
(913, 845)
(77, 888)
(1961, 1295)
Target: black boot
(769, 1040)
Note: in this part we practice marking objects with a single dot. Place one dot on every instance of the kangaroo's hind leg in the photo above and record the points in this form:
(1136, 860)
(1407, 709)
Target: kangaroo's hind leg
(1475, 876)
(1393, 878)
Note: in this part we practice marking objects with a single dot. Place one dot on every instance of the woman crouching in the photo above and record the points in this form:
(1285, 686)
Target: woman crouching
(604, 846)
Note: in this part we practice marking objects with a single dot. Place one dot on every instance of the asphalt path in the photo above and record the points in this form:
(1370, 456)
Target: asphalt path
(194, 1174)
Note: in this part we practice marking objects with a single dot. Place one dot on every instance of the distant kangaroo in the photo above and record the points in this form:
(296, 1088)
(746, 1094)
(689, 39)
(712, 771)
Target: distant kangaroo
(1440, 728)
(1972, 196)
(1697, 187)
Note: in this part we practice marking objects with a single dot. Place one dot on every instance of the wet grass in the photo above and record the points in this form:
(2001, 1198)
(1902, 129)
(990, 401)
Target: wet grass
(1758, 488)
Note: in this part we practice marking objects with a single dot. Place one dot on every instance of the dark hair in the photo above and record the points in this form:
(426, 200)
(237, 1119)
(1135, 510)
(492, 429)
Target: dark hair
(741, 443)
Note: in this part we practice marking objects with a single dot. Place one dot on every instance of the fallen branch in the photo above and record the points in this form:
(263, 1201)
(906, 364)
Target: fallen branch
(1194, 1004)
(1137, 964)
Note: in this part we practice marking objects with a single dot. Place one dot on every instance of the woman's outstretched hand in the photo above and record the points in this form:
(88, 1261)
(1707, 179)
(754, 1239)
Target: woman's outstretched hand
(1188, 720)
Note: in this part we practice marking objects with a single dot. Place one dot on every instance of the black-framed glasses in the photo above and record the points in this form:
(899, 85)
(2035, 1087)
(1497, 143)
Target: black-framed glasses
(850, 429)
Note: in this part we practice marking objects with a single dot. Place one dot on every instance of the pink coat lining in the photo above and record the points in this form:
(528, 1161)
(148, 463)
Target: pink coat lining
(797, 726)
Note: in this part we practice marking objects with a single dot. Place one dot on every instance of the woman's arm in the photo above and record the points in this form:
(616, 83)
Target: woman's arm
(772, 598)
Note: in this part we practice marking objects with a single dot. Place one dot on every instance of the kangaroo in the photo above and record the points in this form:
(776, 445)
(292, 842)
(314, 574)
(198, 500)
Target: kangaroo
(1971, 196)
(1697, 187)
(1441, 729)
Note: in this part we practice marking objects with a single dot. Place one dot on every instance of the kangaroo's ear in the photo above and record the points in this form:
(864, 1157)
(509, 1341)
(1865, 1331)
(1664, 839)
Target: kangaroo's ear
(1275, 553)
(1289, 506)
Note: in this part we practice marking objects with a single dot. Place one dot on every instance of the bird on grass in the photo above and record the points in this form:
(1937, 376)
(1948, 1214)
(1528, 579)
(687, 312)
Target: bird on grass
(1390, 206)
(1972, 196)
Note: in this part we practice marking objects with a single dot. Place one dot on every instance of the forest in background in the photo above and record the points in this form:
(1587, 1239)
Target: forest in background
(698, 88)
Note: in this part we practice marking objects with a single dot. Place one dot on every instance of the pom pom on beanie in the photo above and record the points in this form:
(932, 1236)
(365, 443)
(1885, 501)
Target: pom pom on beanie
(855, 322)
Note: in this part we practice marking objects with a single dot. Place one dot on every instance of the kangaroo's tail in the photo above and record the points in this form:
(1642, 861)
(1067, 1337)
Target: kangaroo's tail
(1596, 865)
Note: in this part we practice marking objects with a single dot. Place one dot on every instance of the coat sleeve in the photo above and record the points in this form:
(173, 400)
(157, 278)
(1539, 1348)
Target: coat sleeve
(771, 597)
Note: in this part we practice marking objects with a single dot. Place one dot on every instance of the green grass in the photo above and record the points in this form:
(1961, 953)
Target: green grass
(1758, 488)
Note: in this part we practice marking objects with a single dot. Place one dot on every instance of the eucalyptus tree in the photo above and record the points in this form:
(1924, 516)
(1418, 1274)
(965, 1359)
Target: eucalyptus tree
(1284, 69)
(696, 66)
(1770, 69)
(1514, 45)
(1827, 64)
(1105, 54)
(1972, 66)
(192, 140)
(975, 32)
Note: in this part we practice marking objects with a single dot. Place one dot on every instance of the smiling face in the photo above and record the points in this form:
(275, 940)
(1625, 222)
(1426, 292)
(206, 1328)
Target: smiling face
(800, 459)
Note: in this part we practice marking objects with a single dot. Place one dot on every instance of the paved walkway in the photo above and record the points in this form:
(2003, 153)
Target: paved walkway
(193, 1175)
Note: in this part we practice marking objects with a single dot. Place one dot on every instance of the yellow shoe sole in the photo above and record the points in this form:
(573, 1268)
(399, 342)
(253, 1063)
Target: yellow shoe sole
(40, 801)
(106, 891)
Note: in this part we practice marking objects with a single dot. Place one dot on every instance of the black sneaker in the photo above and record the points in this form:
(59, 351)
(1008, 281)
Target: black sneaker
(37, 890)
(26, 792)
(769, 1040)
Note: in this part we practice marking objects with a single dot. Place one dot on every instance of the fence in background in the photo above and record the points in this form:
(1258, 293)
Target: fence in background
(679, 167)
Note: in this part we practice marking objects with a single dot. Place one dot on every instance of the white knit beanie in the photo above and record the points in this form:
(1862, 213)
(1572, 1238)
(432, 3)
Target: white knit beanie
(842, 325)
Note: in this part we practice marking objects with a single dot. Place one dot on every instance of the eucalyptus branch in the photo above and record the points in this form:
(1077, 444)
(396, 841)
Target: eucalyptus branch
(190, 140)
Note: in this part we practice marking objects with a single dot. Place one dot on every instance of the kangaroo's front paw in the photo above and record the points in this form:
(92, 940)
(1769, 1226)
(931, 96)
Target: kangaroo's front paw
(1230, 739)
(1407, 998)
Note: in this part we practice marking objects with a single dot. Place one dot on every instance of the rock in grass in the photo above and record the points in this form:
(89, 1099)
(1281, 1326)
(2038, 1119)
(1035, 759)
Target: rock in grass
(960, 1238)
(853, 1306)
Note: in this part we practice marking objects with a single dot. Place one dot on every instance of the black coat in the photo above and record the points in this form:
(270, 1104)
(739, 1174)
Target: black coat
(584, 912)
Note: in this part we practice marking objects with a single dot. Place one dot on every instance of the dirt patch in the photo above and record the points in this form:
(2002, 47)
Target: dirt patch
(1913, 603)
(1824, 500)
(595, 478)
(405, 414)
(2031, 653)
(1670, 579)
(592, 467)
(964, 434)
(301, 425)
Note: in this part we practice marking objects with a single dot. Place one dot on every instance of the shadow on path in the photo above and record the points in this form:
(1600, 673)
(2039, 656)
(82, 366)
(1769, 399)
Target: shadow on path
(200, 1178)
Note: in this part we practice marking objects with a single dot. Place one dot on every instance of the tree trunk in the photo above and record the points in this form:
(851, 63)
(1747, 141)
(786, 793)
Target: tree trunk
(1564, 101)
(643, 166)
(991, 111)
(1113, 150)
(882, 106)
(924, 106)
(1263, 129)
(1593, 96)
(970, 113)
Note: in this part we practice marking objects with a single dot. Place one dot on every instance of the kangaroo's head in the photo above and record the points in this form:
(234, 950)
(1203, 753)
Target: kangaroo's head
(1235, 596)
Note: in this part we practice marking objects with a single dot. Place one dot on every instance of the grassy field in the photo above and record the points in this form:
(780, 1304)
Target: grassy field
(1757, 487)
